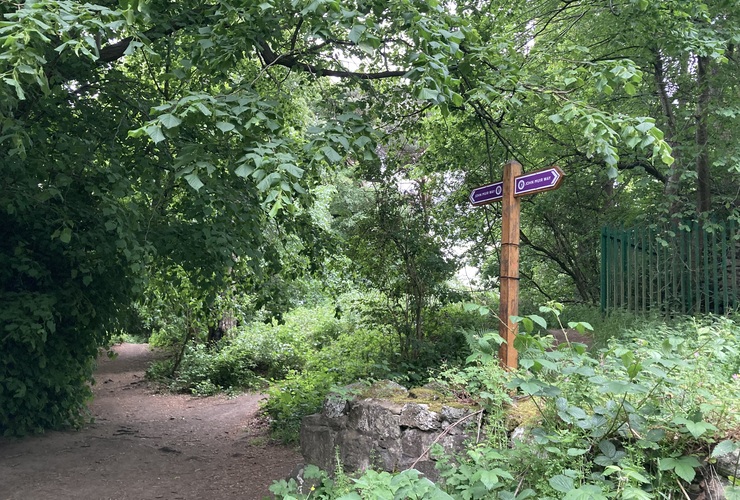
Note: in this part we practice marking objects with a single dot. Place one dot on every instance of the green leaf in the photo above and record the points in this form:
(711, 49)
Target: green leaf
(489, 479)
(155, 133)
(685, 471)
(331, 154)
(667, 158)
(356, 32)
(580, 326)
(683, 467)
(202, 108)
(350, 496)
(556, 118)
(169, 120)
(586, 492)
(530, 388)
(276, 207)
(617, 387)
(427, 94)
(268, 181)
(293, 170)
(724, 447)
(644, 126)
(65, 236)
(732, 492)
(194, 181)
(698, 428)
(539, 320)
(608, 448)
(561, 483)
(225, 126)
(244, 170)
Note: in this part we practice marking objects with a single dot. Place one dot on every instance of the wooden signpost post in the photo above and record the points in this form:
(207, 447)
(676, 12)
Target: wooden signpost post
(508, 192)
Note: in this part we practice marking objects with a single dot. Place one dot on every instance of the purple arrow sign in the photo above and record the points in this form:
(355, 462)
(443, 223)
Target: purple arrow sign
(487, 194)
(535, 182)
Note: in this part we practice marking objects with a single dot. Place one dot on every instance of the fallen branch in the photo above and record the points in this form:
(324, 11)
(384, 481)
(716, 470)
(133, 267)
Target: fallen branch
(442, 434)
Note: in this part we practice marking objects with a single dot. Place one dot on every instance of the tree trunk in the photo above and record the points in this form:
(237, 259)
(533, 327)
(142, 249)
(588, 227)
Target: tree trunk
(703, 176)
(675, 172)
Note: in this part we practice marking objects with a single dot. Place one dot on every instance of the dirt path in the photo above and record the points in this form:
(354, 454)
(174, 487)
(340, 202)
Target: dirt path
(144, 445)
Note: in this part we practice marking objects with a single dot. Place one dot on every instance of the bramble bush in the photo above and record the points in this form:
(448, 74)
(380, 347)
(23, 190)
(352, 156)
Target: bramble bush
(252, 354)
(356, 354)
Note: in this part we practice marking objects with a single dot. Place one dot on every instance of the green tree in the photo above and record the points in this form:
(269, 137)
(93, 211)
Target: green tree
(391, 240)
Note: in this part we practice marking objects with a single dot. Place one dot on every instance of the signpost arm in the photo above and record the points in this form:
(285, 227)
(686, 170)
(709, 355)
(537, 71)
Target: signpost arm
(509, 279)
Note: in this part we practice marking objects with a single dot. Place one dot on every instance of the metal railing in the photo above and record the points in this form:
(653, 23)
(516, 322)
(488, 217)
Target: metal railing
(685, 268)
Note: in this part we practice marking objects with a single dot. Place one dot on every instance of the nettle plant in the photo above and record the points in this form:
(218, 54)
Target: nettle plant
(634, 420)
(640, 419)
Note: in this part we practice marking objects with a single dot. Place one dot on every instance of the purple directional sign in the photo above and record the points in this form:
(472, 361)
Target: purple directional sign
(535, 182)
(489, 193)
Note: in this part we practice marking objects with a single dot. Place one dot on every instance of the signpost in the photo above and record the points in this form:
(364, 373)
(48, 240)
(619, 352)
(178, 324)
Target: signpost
(508, 192)
(487, 194)
(536, 182)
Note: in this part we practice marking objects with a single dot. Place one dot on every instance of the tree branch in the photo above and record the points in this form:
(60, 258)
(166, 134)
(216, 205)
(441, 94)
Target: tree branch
(530, 278)
(114, 51)
(650, 169)
(271, 59)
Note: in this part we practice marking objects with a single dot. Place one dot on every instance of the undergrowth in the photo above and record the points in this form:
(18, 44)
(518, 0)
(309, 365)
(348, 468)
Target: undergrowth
(642, 417)
(299, 361)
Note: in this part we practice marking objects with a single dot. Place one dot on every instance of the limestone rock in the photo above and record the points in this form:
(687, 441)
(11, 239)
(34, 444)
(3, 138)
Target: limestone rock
(388, 434)
(418, 416)
(452, 414)
(385, 389)
(318, 441)
(727, 465)
(335, 407)
(415, 442)
(355, 450)
(377, 418)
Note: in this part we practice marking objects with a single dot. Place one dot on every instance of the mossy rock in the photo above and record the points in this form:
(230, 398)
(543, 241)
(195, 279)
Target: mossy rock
(433, 397)
(383, 389)
(522, 413)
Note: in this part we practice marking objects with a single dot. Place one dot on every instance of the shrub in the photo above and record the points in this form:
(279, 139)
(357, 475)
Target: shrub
(354, 355)
(300, 394)
(253, 353)
(206, 370)
(46, 363)
(170, 334)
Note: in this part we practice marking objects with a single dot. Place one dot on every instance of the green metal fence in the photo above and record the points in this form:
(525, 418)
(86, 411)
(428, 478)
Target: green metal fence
(684, 268)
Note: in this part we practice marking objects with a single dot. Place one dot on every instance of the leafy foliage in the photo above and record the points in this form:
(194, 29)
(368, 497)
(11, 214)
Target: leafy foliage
(147, 144)
(632, 420)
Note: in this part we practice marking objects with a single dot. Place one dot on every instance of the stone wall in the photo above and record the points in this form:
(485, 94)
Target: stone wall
(389, 434)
